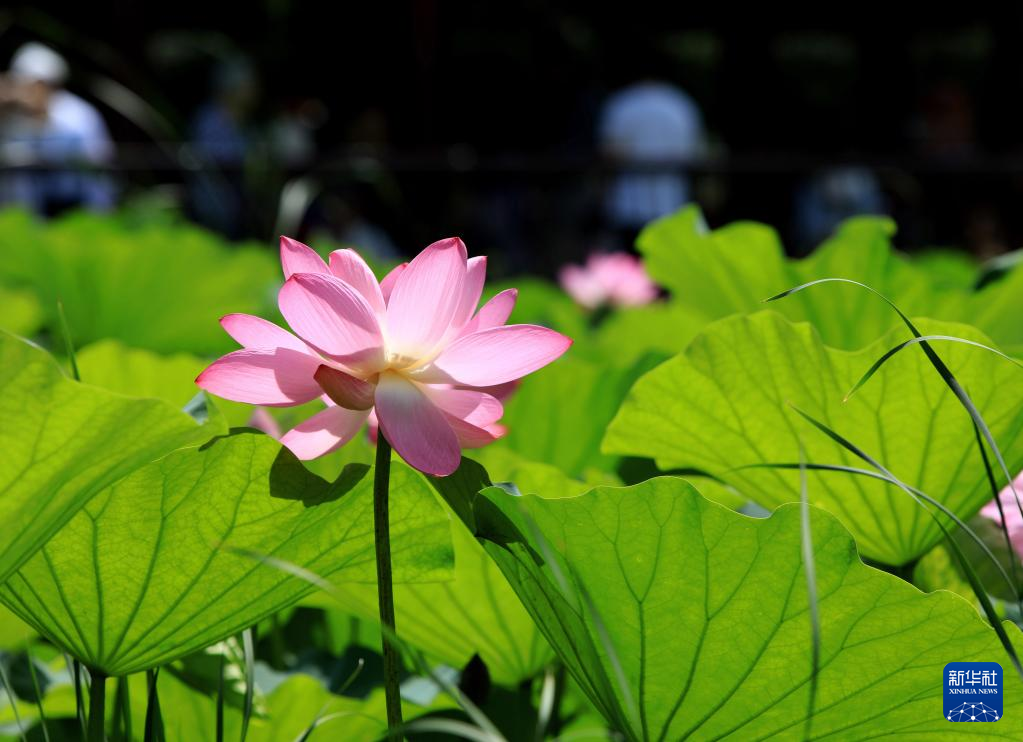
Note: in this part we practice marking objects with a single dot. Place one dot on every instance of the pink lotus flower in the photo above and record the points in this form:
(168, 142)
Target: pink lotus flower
(617, 278)
(411, 349)
(1013, 518)
(501, 392)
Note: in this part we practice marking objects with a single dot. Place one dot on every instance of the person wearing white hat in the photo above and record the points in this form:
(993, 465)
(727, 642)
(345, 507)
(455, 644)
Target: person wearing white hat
(51, 140)
(657, 129)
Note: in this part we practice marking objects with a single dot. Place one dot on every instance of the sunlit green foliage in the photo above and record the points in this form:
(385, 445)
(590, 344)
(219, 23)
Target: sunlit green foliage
(135, 538)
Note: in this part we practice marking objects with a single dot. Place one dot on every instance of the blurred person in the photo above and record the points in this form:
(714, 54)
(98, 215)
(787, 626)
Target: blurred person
(50, 139)
(292, 135)
(222, 139)
(354, 212)
(343, 221)
(648, 124)
(832, 196)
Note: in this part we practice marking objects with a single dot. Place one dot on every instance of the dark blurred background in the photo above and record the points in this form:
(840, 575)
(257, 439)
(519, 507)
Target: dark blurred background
(537, 133)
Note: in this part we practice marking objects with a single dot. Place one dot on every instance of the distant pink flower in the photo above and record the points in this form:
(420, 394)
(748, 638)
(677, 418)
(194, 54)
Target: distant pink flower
(411, 348)
(616, 279)
(1013, 518)
(261, 420)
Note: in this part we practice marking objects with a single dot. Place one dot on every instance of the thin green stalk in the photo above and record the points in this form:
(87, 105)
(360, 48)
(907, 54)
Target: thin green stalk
(560, 686)
(69, 345)
(971, 575)
(76, 674)
(249, 649)
(122, 709)
(810, 568)
(1003, 523)
(545, 709)
(6, 682)
(154, 722)
(38, 692)
(385, 590)
(97, 706)
(277, 642)
(220, 701)
(418, 661)
(939, 365)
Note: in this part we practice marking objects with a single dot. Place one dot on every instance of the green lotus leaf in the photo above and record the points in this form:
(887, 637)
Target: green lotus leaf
(178, 555)
(734, 268)
(142, 373)
(298, 705)
(477, 612)
(64, 441)
(20, 312)
(156, 286)
(558, 416)
(662, 328)
(727, 403)
(684, 620)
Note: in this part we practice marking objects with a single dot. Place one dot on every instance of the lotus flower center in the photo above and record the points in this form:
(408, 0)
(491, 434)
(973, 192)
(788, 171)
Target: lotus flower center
(400, 361)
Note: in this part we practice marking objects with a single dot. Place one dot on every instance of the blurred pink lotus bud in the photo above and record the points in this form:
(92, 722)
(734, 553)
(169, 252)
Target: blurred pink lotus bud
(615, 279)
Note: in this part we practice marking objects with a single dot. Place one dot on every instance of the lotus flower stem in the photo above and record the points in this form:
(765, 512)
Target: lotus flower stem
(385, 590)
(97, 706)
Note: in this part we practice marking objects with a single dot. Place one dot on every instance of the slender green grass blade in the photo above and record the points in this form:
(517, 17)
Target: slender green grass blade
(471, 709)
(939, 365)
(220, 700)
(567, 588)
(971, 575)
(76, 678)
(922, 339)
(964, 398)
(819, 281)
(806, 542)
(320, 718)
(320, 721)
(37, 691)
(985, 602)
(277, 641)
(69, 345)
(359, 665)
(249, 646)
(14, 701)
(545, 708)
(406, 649)
(451, 729)
(1002, 523)
(913, 490)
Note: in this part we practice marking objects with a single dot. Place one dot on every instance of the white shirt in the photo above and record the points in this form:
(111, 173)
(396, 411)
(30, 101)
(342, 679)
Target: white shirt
(73, 133)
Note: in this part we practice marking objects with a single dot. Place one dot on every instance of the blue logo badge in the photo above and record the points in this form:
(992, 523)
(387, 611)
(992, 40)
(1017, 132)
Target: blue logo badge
(973, 691)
